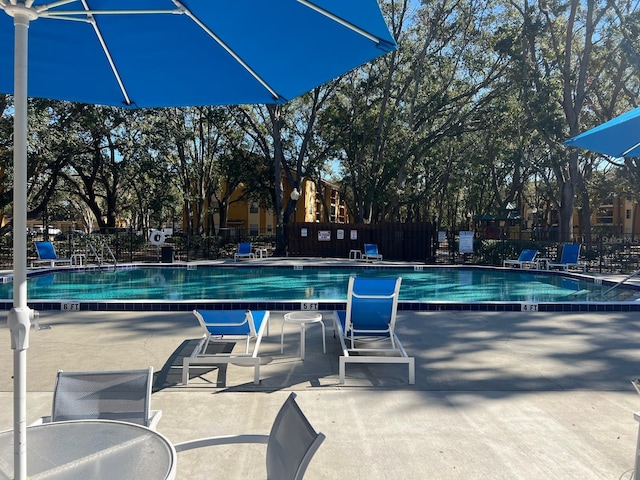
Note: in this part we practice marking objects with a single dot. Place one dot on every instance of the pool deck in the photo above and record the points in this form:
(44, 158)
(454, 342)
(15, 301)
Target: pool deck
(498, 395)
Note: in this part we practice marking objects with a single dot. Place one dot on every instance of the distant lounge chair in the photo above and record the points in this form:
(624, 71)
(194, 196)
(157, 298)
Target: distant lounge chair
(123, 395)
(291, 444)
(525, 260)
(47, 254)
(226, 326)
(244, 251)
(371, 252)
(569, 258)
(367, 328)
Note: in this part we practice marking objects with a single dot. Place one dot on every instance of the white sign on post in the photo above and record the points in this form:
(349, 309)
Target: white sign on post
(466, 242)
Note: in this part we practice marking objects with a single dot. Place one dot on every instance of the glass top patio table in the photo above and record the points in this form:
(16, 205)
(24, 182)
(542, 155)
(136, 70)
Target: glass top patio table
(95, 449)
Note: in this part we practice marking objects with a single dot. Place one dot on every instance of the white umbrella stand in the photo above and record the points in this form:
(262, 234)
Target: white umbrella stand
(21, 315)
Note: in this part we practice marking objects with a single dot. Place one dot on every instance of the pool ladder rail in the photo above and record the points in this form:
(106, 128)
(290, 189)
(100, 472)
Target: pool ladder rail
(104, 250)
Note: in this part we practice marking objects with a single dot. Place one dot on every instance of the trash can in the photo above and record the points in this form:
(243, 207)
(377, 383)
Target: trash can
(167, 254)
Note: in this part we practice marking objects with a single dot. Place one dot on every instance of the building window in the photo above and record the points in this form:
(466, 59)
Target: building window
(628, 214)
(605, 214)
(254, 229)
(253, 207)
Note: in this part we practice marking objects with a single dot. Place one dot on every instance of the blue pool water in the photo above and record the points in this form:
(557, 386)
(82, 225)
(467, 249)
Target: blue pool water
(311, 283)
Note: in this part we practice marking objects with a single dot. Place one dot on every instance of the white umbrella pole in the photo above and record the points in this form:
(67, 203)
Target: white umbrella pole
(20, 316)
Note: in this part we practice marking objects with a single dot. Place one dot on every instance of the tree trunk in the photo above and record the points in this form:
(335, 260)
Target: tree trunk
(275, 113)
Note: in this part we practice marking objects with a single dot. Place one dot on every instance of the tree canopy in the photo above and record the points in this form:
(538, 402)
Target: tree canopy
(469, 114)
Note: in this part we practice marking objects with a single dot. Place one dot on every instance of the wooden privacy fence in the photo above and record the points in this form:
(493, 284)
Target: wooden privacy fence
(396, 241)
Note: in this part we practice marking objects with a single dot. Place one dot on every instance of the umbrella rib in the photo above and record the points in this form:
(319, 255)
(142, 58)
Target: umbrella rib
(72, 15)
(228, 49)
(624, 154)
(108, 12)
(109, 57)
(49, 6)
(341, 21)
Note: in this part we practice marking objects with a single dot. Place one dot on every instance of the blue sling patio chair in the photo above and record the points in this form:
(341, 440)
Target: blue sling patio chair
(527, 259)
(569, 258)
(367, 327)
(244, 251)
(371, 252)
(47, 254)
(227, 326)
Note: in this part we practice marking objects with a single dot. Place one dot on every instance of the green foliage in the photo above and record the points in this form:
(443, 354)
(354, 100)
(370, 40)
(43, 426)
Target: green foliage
(468, 114)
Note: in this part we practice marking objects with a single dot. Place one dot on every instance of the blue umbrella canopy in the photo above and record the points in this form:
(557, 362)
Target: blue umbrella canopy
(154, 53)
(160, 53)
(619, 137)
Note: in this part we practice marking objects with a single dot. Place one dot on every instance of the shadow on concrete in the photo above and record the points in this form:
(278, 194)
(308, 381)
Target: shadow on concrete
(170, 374)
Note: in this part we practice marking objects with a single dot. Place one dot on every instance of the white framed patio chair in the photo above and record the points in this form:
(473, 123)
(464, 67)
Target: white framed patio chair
(371, 252)
(226, 326)
(47, 255)
(123, 395)
(291, 443)
(527, 259)
(367, 327)
(569, 258)
(244, 251)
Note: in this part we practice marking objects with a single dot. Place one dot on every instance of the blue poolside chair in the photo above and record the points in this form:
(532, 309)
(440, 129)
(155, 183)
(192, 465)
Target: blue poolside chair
(367, 327)
(371, 252)
(47, 254)
(228, 326)
(244, 251)
(569, 258)
(527, 259)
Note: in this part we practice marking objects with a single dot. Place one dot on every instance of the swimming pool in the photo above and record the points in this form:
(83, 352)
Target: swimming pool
(182, 287)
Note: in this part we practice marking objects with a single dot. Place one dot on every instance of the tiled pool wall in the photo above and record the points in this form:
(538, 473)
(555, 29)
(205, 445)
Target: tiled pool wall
(293, 305)
(184, 306)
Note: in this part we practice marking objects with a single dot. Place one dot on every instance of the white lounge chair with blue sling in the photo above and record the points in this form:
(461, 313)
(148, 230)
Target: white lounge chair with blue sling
(371, 252)
(367, 327)
(244, 251)
(569, 258)
(291, 443)
(527, 259)
(47, 254)
(225, 326)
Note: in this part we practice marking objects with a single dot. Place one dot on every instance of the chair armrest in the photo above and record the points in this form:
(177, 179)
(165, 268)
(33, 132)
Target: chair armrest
(224, 440)
(41, 420)
(154, 418)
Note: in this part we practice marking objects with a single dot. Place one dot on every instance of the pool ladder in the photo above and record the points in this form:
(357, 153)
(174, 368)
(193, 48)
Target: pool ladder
(104, 250)
(628, 277)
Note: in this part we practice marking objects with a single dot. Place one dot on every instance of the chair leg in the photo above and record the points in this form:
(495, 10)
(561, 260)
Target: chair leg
(185, 371)
(412, 371)
(636, 463)
(256, 372)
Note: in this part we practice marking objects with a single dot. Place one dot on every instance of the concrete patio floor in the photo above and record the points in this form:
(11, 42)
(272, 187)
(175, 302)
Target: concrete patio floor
(497, 395)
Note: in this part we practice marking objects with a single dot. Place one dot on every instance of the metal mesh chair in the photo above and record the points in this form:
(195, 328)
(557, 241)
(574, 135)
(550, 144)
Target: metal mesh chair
(123, 395)
(291, 443)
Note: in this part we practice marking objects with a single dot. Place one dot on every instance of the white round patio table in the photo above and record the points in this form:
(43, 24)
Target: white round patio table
(302, 318)
(92, 449)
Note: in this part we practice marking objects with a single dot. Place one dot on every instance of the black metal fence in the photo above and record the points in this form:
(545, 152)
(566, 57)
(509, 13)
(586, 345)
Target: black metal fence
(605, 255)
(403, 242)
